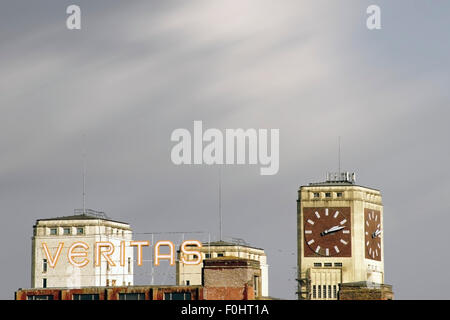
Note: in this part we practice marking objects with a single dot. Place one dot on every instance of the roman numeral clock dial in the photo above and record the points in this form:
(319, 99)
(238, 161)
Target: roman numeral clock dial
(327, 232)
(372, 232)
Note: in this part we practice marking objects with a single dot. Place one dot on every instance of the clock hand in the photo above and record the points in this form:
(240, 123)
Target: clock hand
(376, 233)
(331, 230)
(335, 228)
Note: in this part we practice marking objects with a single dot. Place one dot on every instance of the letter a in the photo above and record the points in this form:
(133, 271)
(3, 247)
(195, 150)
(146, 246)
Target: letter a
(181, 152)
(74, 20)
(374, 20)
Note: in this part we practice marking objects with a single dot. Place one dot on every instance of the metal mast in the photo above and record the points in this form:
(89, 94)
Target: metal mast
(84, 174)
(220, 202)
(339, 154)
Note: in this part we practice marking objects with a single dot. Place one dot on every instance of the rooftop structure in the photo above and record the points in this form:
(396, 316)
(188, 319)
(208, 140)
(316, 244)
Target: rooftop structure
(54, 238)
(226, 250)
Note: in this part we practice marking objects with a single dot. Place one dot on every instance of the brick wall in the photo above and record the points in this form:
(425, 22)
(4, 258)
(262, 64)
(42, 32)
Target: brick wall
(230, 278)
(356, 291)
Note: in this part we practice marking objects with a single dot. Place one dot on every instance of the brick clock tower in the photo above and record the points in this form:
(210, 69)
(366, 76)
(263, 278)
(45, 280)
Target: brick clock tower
(340, 240)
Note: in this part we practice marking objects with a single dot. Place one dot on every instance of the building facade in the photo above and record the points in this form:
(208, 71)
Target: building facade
(223, 279)
(192, 274)
(340, 236)
(80, 235)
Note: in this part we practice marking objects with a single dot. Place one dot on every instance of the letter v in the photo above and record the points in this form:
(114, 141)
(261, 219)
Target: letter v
(52, 260)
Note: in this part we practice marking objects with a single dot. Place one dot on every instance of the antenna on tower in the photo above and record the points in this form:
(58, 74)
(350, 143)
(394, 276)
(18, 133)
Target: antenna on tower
(84, 174)
(339, 154)
(220, 202)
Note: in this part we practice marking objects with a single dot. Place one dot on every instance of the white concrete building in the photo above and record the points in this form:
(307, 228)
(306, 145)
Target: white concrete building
(54, 263)
(192, 274)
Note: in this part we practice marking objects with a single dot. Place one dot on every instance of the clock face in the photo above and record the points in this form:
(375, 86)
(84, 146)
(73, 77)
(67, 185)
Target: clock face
(372, 231)
(327, 232)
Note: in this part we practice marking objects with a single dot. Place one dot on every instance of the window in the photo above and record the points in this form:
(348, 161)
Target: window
(334, 291)
(317, 264)
(328, 264)
(53, 231)
(40, 297)
(80, 230)
(329, 291)
(86, 296)
(220, 254)
(44, 265)
(328, 194)
(316, 195)
(129, 265)
(107, 282)
(319, 287)
(132, 296)
(256, 285)
(314, 292)
(66, 231)
(177, 296)
(208, 255)
(188, 283)
(324, 287)
(44, 283)
(339, 194)
(338, 264)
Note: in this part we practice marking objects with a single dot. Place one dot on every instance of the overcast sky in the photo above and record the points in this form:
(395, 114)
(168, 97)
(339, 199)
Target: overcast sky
(137, 70)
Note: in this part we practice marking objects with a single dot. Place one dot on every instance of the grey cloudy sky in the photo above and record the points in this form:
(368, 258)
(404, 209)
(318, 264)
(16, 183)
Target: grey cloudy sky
(140, 69)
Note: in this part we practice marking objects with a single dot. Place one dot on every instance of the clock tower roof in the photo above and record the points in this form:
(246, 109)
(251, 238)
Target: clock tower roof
(338, 179)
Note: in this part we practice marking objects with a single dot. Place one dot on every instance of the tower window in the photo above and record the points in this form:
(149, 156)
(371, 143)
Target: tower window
(80, 230)
(220, 254)
(334, 291)
(44, 265)
(44, 283)
(208, 255)
(324, 291)
(329, 291)
(53, 231)
(314, 292)
(328, 264)
(319, 291)
(328, 194)
(66, 231)
(338, 264)
(339, 194)
(316, 195)
(317, 264)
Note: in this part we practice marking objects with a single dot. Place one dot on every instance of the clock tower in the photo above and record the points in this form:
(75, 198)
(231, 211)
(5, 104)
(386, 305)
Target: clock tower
(340, 236)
